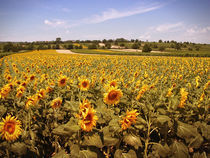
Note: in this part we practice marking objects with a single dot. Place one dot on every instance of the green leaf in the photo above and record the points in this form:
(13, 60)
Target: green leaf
(19, 148)
(87, 154)
(119, 154)
(198, 155)
(74, 150)
(163, 119)
(186, 131)
(205, 130)
(61, 154)
(93, 140)
(163, 151)
(133, 141)
(179, 150)
(109, 141)
(196, 142)
(66, 130)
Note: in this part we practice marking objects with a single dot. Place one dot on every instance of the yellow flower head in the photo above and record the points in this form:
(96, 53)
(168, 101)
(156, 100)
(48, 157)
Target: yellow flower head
(10, 128)
(89, 120)
(62, 81)
(56, 103)
(129, 119)
(84, 84)
(113, 96)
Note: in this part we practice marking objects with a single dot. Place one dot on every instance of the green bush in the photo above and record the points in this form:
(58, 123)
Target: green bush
(146, 48)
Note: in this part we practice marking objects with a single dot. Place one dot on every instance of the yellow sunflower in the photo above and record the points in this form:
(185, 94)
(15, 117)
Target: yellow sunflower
(10, 128)
(84, 84)
(113, 83)
(83, 107)
(125, 123)
(129, 119)
(113, 96)
(62, 81)
(56, 103)
(89, 120)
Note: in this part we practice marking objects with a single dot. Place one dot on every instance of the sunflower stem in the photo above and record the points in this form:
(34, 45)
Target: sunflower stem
(148, 137)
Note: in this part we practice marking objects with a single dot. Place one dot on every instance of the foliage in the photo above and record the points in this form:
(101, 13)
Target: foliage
(146, 48)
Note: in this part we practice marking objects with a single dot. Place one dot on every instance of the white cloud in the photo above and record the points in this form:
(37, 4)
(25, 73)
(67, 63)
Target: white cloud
(115, 14)
(198, 30)
(66, 10)
(145, 36)
(168, 27)
(54, 23)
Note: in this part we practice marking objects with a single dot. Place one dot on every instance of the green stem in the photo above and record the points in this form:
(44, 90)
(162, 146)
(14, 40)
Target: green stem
(147, 139)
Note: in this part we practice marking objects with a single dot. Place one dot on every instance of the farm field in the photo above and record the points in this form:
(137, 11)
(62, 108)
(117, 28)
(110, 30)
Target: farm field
(58, 105)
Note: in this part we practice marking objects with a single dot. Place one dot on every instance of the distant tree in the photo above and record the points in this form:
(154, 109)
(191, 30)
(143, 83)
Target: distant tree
(197, 48)
(190, 49)
(155, 45)
(57, 46)
(58, 40)
(108, 45)
(49, 46)
(177, 46)
(92, 46)
(135, 46)
(146, 48)
(104, 41)
(172, 45)
(116, 43)
(76, 47)
(132, 40)
(160, 41)
(122, 45)
(162, 48)
(8, 47)
(70, 46)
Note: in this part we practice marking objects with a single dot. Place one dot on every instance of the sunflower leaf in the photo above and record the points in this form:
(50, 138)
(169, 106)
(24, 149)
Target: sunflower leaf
(87, 154)
(93, 140)
(133, 141)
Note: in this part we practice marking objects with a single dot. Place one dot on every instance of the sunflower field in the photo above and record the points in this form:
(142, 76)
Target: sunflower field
(86, 106)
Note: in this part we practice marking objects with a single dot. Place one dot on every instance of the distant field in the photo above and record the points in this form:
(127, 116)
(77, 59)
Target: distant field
(185, 53)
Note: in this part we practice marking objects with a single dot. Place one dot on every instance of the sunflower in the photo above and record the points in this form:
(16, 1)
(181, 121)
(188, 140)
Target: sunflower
(113, 96)
(84, 84)
(83, 107)
(32, 77)
(19, 94)
(129, 119)
(113, 83)
(131, 115)
(31, 101)
(89, 120)
(56, 103)
(41, 94)
(62, 81)
(10, 128)
(125, 123)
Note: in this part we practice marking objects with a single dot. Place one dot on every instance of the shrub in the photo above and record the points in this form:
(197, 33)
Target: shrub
(146, 48)
(135, 46)
(92, 46)
(162, 48)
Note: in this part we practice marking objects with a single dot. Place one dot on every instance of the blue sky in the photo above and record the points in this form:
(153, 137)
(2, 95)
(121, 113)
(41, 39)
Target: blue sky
(39, 20)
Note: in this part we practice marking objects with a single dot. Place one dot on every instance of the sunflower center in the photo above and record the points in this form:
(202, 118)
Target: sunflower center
(84, 84)
(62, 81)
(10, 127)
(113, 84)
(112, 95)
